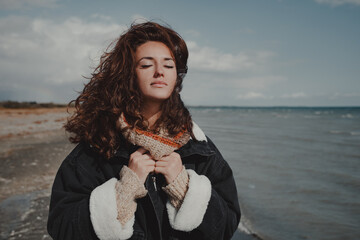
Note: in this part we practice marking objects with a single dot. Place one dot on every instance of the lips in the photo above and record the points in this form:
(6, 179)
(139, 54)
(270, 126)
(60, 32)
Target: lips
(158, 84)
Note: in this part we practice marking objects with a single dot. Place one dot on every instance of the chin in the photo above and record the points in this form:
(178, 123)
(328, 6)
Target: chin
(157, 98)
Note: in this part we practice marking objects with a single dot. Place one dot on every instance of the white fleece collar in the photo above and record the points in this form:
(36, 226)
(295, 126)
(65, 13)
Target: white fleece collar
(198, 133)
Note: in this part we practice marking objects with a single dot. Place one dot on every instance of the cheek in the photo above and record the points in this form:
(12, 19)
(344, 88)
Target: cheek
(139, 76)
(140, 79)
(173, 78)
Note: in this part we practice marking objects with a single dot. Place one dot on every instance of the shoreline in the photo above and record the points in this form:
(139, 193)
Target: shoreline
(29, 168)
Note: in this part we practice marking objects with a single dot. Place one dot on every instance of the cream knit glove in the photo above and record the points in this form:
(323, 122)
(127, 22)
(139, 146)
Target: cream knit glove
(176, 190)
(128, 189)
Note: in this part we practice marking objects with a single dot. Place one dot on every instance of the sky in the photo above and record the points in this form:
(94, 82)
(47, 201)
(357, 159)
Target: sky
(241, 53)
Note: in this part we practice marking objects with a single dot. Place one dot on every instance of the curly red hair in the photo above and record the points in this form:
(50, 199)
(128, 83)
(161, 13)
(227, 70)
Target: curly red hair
(113, 90)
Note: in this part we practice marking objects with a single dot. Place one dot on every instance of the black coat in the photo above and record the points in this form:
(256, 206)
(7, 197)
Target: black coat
(83, 171)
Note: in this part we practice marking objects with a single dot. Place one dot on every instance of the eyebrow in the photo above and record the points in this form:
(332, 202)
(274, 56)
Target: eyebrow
(151, 58)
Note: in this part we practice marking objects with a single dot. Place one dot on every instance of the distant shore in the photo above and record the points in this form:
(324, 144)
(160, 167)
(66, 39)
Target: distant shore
(25, 121)
(27, 105)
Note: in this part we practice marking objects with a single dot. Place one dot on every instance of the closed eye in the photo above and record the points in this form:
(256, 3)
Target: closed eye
(145, 66)
(169, 66)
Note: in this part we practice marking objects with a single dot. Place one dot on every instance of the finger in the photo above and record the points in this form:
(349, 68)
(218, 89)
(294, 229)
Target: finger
(164, 159)
(175, 154)
(167, 162)
(161, 164)
(150, 168)
(137, 153)
(161, 170)
(144, 157)
(139, 157)
(148, 163)
(170, 157)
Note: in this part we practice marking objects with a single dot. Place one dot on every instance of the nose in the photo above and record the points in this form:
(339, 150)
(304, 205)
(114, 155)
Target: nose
(159, 71)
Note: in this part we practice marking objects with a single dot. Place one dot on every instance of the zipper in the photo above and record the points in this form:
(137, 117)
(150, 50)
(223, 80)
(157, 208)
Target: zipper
(152, 203)
(154, 182)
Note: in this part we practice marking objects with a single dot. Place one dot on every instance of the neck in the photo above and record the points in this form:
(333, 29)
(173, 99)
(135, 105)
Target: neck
(151, 112)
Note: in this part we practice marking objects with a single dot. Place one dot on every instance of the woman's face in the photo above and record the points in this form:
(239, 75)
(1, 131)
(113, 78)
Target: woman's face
(155, 71)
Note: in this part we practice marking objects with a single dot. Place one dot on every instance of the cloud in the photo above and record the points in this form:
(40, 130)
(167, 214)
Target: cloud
(344, 95)
(294, 95)
(223, 75)
(258, 82)
(252, 96)
(338, 2)
(24, 4)
(212, 59)
(101, 17)
(193, 33)
(39, 54)
(245, 31)
(137, 18)
(258, 95)
(44, 60)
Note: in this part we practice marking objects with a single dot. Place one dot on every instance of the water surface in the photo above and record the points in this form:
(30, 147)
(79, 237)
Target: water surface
(296, 169)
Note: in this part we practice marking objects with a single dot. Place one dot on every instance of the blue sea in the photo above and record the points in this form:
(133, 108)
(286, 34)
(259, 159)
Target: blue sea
(297, 170)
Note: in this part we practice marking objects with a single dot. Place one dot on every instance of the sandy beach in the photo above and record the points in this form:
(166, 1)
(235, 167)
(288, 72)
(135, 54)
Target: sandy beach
(32, 146)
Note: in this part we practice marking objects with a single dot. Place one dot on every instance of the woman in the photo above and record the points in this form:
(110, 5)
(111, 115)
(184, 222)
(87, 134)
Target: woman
(142, 168)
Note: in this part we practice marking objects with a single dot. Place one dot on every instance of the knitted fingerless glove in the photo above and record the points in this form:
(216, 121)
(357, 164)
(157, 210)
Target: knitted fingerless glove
(128, 189)
(176, 190)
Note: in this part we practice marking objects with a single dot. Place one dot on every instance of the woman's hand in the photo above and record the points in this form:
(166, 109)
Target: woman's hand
(169, 166)
(141, 163)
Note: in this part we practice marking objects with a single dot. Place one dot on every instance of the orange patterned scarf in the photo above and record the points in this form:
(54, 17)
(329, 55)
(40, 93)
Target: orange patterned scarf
(158, 145)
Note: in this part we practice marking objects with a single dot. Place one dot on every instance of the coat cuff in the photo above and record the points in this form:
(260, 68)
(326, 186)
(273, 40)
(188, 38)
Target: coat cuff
(103, 213)
(193, 208)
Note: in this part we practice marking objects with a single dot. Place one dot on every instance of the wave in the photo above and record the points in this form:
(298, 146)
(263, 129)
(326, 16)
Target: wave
(244, 229)
(338, 132)
(322, 112)
(347, 115)
(311, 116)
(249, 234)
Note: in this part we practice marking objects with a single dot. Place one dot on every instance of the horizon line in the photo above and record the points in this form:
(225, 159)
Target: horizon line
(210, 106)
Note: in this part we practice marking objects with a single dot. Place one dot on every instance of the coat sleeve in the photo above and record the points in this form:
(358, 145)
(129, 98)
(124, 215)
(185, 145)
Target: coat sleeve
(83, 203)
(210, 209)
